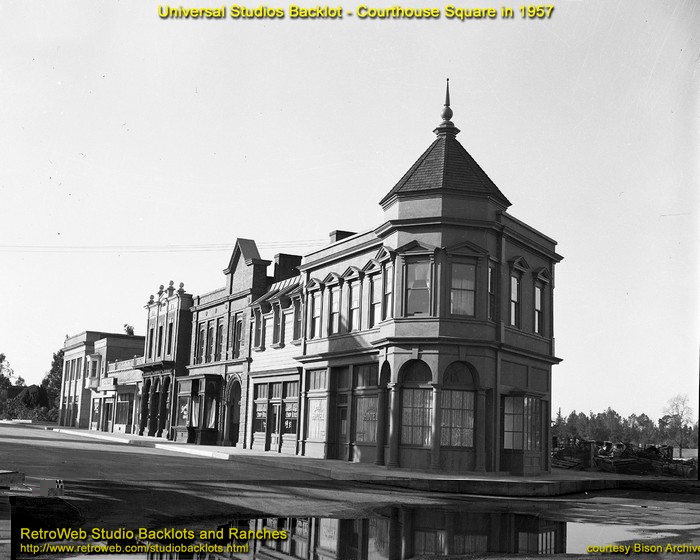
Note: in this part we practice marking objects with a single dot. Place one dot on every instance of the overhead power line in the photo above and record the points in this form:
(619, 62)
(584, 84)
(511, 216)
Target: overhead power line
(199, 247)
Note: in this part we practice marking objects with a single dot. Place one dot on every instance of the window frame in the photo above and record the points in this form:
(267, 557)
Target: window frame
(492, 281)
(515, 305)
(315, 313)
(473, 291)
(334, 309)
(354, 312)
(523, 422)
(388, 284)
(429, 287)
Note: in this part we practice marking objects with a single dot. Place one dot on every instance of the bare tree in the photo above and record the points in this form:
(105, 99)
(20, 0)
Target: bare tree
(678, 416)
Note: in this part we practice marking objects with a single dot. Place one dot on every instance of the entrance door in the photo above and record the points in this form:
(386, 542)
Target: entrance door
(343, 432)
(107, 415)
(275, 425)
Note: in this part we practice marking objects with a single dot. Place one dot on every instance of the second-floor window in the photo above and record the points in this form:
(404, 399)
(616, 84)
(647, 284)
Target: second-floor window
(219, 344)
(298, 319)
(388, 303)
(515, 301)
(210, 342)
(201, 342)
(375, 305)
(237, 336)
(278, 324)
(315, 314)
(160, 340)
(354, 315)
(258, 328)
(334, 310)
(170, 338)
(418, 288)
(492, 293)
(463, 289)
(539, 316)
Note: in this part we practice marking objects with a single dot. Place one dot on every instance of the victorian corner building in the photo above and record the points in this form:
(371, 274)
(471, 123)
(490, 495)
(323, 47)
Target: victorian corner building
(425, 343)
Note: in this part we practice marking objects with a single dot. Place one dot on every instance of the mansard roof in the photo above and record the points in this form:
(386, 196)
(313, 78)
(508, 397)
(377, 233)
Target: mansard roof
(446, 166)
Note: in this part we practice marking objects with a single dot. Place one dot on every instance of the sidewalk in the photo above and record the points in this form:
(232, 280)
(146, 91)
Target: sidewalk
(558, 482)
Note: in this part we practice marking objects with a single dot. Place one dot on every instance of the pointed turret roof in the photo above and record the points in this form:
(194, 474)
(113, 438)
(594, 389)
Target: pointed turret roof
(446, 166)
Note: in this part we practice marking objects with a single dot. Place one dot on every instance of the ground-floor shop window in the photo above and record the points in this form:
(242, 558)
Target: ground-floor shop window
(416, 409)
(317, 419)
(428, 542)
(95, 411)
(183, 410)
(522, 423)
(457, 428)
(291, 416)
(366, 416)
(125, 405)
(260, 422)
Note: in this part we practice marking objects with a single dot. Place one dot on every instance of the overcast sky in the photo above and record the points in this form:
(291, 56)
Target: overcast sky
(135, 150)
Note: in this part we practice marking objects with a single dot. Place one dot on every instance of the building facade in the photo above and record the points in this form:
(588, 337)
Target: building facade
(167, 350)
(85, 401)
(426, 342)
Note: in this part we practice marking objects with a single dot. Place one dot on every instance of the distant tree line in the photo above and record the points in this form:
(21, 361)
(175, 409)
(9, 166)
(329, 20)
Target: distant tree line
(36, 402)
(674, 428)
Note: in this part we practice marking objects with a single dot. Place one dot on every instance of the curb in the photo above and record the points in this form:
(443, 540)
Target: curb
(491, 487)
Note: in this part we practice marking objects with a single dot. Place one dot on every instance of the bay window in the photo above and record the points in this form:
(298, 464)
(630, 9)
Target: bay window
(418, 288)
(463, 289)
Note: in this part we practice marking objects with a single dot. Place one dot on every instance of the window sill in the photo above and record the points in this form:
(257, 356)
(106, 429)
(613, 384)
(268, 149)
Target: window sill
(277, 345)
(295, 342)
(258, 348)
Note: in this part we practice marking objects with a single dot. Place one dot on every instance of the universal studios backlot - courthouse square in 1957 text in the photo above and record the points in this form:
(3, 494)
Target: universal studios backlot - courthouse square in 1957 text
(362, 11)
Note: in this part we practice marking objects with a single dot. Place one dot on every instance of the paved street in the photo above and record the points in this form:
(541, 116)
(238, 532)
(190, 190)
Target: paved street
(45, 454)
(111, 485)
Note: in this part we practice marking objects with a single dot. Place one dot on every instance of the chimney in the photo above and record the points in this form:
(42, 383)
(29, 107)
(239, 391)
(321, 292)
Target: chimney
(286, 266)
(339, 234)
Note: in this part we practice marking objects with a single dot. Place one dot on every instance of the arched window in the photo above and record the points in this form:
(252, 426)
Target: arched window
(457, 403)
(416, 404)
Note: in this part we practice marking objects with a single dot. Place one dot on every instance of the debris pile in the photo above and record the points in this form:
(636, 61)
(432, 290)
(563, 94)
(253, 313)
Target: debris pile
(623, 459)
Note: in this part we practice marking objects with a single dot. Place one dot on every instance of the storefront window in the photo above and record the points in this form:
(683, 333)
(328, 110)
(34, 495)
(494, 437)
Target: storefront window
(522, 423)
(125, 405)
(317, 419)
(366, 414)
(291, 415)
(457, 418)
(415, 416)
(260, 422)
(183, 410)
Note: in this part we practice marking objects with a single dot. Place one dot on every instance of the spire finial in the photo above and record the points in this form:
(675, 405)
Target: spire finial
(447, 126)
(447, 112)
